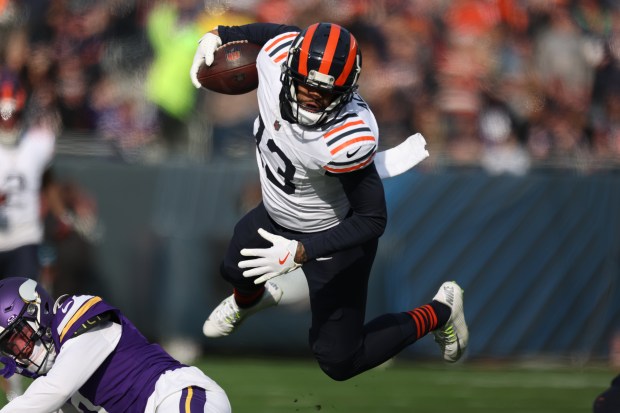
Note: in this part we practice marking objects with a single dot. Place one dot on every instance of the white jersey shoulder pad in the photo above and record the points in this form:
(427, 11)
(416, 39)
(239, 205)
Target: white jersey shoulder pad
(352, 143)
(277, 48)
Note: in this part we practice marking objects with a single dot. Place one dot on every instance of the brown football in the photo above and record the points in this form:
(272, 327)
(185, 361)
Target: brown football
(233, 70)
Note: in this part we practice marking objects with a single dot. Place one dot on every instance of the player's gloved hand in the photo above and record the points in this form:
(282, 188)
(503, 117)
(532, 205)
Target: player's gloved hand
(271, 262)
(9, 367)
(204, 53)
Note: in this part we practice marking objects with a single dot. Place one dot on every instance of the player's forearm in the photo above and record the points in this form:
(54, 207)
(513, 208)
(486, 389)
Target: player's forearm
(69, 373)
(367, 220)
(258, 33)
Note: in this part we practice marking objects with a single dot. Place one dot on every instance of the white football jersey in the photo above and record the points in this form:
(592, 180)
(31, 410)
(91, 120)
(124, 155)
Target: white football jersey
(294, 159)
(21, 170)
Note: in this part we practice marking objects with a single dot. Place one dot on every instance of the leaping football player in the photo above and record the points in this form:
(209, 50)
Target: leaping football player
(323, 205)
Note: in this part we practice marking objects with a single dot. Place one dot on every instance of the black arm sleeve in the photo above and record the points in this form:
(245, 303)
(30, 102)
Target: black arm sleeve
(258, 33)
(96, 320)
(367, 219)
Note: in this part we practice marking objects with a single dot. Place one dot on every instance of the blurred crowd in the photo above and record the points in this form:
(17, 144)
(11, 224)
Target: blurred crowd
(509, 86)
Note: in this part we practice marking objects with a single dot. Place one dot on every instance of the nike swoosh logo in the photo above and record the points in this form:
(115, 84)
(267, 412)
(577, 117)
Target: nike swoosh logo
(65, 307)
(352, 154)
(283, 260)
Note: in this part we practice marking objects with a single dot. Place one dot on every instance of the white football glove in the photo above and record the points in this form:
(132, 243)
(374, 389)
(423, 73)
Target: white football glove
(271, 262)
(204, 53)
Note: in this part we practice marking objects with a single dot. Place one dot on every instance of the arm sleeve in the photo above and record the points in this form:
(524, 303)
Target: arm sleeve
(367, 218)
(258, 33)
(69, 372)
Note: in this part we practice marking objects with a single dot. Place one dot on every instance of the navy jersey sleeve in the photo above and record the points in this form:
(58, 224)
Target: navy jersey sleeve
(367, 219)
(258, 33)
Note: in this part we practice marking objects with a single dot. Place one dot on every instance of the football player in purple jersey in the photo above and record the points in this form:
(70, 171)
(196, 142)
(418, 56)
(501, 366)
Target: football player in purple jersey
(323, 205)
(85, 355)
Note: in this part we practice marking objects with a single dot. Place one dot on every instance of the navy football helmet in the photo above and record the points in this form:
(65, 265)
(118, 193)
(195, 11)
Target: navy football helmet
(26, 312)
(326, 57)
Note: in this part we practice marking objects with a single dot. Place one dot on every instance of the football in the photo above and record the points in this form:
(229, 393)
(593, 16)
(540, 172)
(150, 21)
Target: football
(233, 71)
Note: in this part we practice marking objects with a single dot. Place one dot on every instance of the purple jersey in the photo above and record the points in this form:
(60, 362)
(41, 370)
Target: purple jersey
(127, 377)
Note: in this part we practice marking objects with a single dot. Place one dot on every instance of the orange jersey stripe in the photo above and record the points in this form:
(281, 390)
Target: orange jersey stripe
(339, 128)
(352, 168)
(351, 142)
(279, 40)
(330, 49)
(349, 64)
(305, 46)
(279, 58)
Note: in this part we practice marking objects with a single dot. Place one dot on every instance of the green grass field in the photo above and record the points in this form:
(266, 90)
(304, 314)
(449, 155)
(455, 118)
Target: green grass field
(273, 386)
(288, 385)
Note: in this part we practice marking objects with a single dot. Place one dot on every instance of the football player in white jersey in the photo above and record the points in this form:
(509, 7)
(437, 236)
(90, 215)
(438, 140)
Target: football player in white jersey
(323, 205)
(26, 152)
(25, 156)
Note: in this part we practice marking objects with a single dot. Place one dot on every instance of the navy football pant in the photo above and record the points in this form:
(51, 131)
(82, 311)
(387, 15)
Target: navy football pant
(338, 285)
(609, 400)
(20, 262)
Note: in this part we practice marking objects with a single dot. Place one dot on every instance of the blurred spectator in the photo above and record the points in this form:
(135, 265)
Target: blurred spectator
(564, 72)
(503, 151)
(69, 249)
(173, 31)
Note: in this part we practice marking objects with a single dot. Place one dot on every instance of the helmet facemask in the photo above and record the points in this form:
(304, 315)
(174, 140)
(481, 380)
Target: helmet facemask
(308, 116)
(309, 63)
(34, 354)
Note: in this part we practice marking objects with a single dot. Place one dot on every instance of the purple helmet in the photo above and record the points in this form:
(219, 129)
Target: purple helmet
(26, 312)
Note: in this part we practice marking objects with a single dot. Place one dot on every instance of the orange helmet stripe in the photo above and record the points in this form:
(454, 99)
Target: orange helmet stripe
(305, 50)
(349, 64)
(330, 49)
(7, 90)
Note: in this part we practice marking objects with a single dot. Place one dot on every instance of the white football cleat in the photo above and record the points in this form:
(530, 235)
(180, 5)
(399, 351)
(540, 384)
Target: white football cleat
(453, 337)
(227, 316)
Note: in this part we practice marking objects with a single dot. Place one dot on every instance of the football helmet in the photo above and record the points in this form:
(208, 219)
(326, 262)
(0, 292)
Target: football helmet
(26, 312)
(324, 57)
(12, 103)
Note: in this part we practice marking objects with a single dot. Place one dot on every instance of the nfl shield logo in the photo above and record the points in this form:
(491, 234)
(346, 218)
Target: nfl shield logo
(232, 55)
